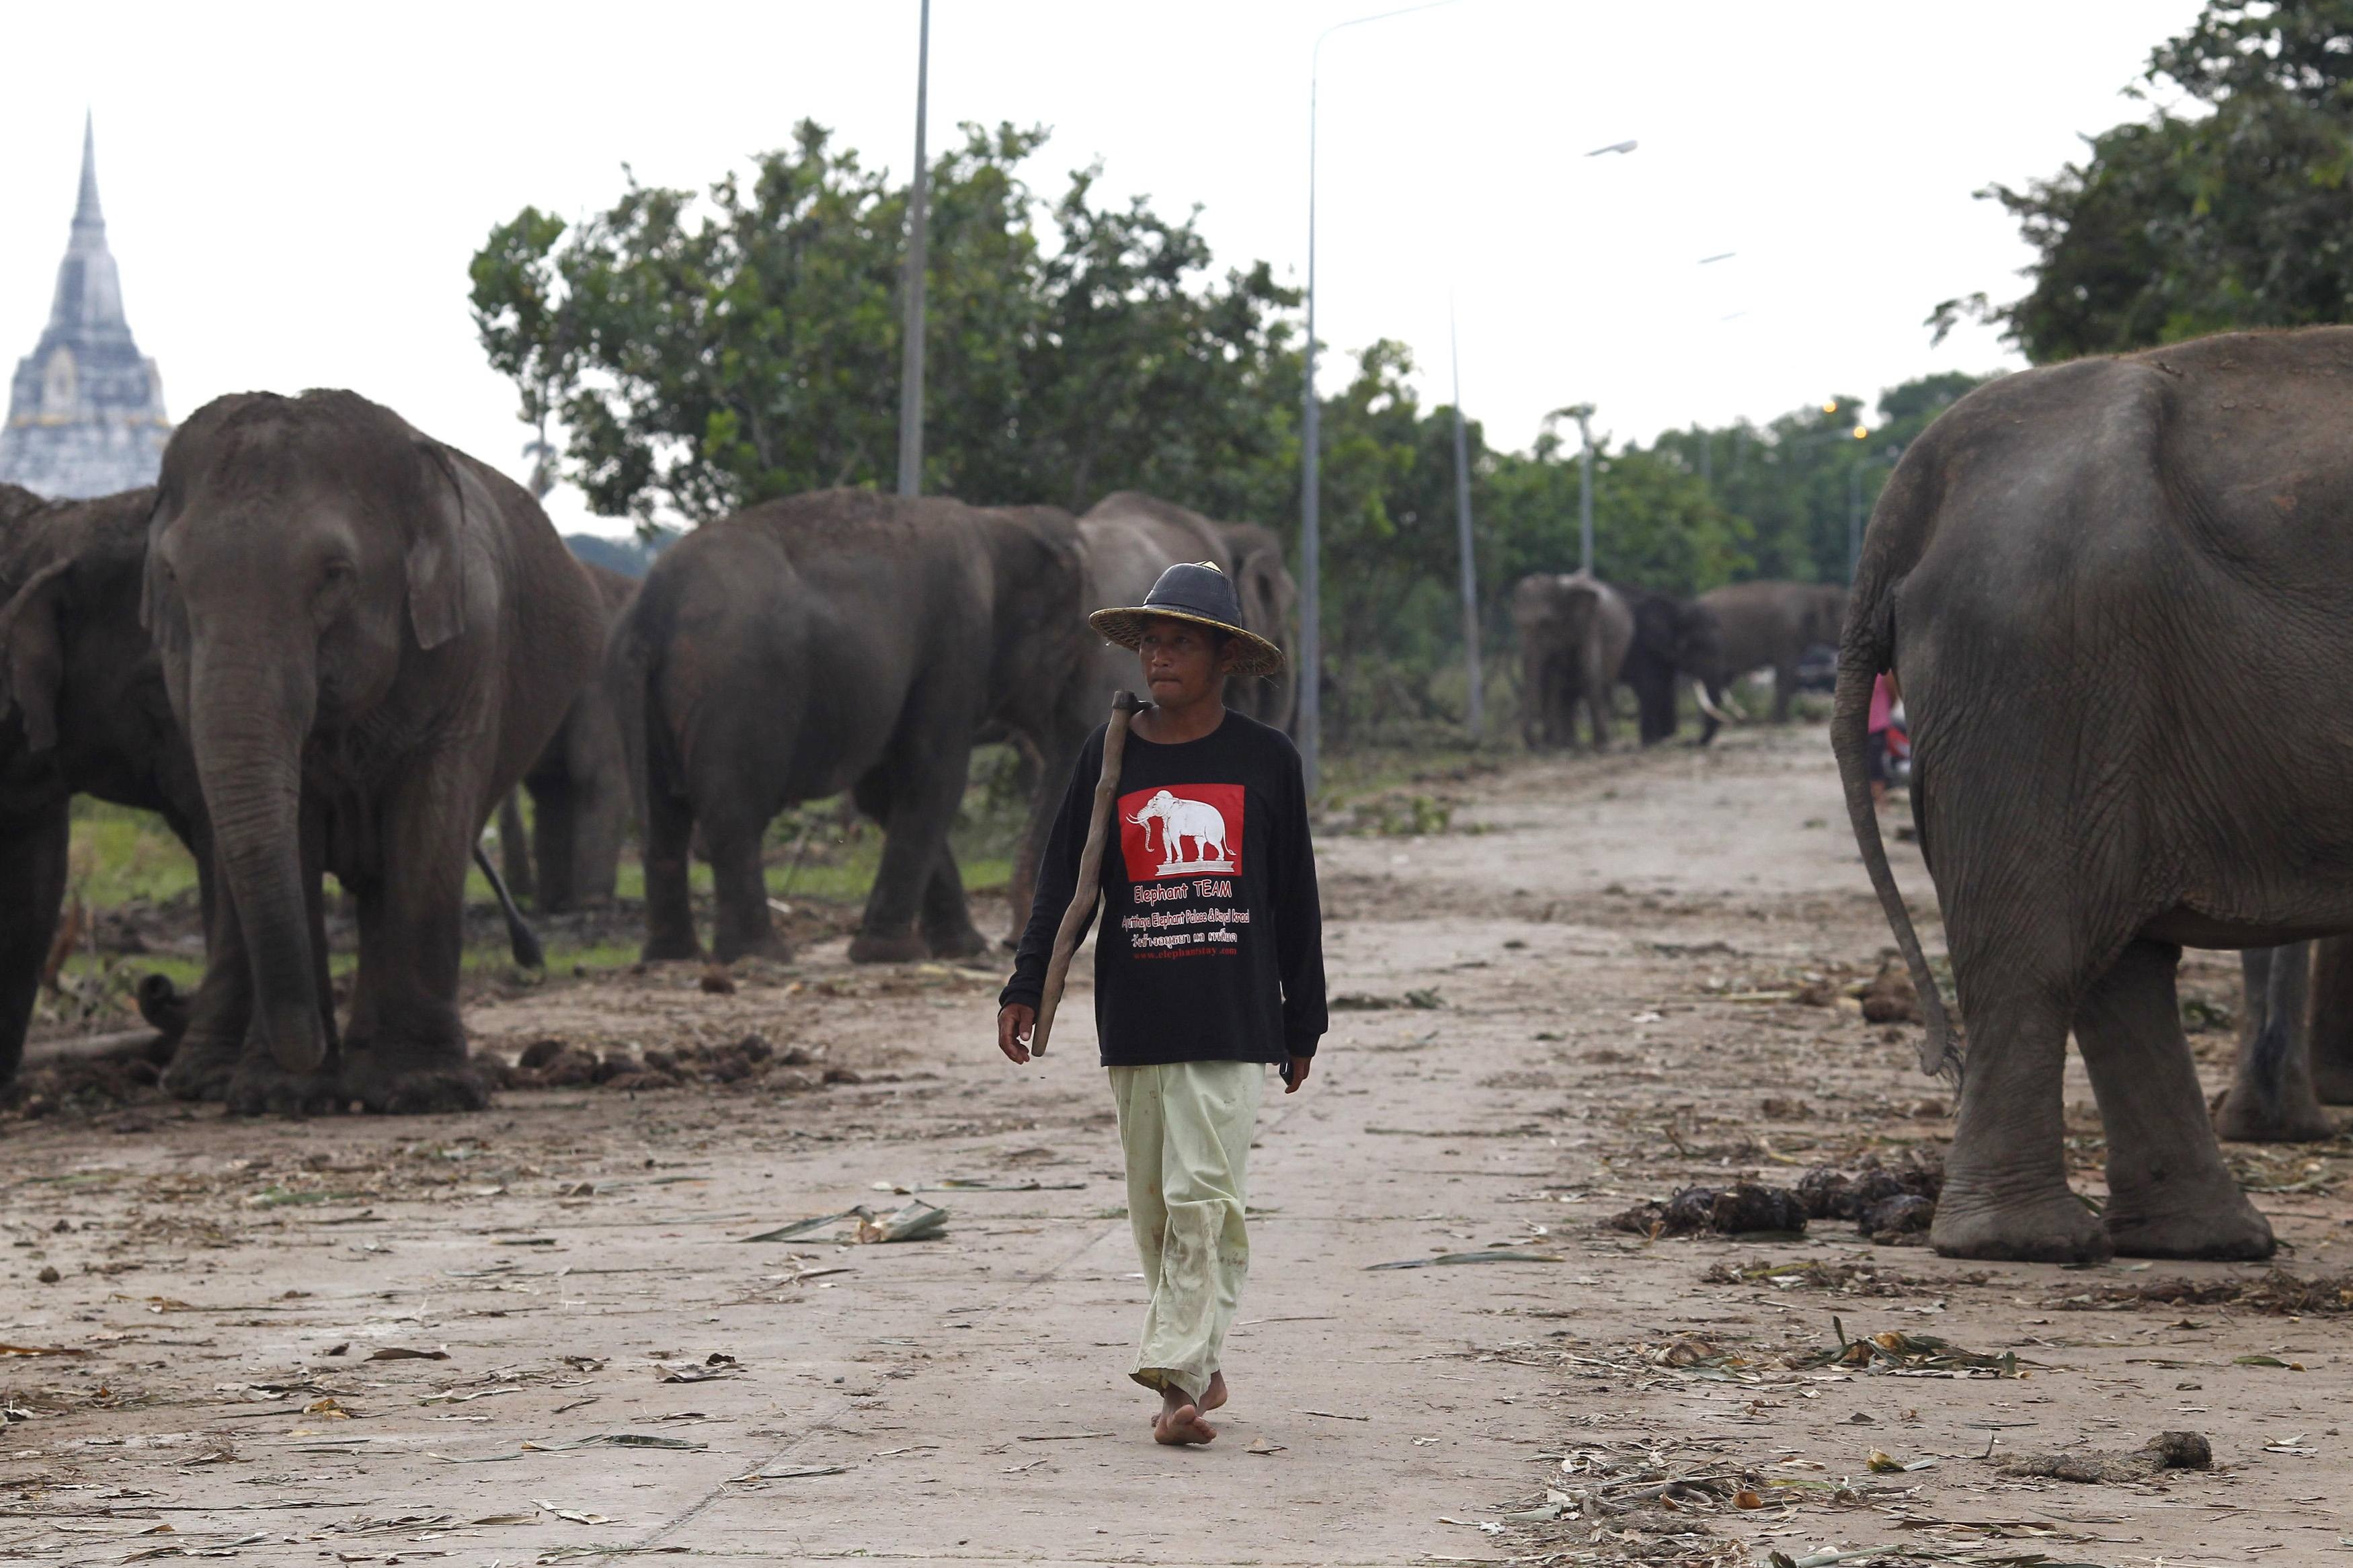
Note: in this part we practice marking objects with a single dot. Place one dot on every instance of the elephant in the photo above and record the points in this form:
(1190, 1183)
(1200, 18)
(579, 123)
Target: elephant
(2291, 1059)
(1574, 631)
(580, 793)
(2110, 589)
(1269, 598)
(83, 711)
(1178, 821)
(1753, 625)
(366, 637)
(841, 640)
(1671, 636)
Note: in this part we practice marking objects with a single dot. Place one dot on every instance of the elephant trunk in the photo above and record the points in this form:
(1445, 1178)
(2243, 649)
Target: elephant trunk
(248, 718)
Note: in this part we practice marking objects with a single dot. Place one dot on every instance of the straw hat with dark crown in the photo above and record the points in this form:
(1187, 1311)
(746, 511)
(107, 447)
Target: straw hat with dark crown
(1198, 592)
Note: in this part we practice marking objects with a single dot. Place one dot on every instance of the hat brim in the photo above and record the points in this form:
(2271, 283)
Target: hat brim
(1253, 654)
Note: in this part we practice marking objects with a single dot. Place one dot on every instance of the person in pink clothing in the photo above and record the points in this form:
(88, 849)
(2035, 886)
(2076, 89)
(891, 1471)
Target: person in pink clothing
(1884, 736)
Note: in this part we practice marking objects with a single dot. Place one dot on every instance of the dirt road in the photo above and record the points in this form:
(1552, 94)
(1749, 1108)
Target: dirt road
(539, 1334)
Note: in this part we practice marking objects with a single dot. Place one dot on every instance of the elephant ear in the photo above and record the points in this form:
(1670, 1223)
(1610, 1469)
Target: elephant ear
(455, 500)
(32, 654)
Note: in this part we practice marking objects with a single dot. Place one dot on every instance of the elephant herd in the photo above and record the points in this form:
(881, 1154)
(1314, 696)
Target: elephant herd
(325, 643)
(1581, 637)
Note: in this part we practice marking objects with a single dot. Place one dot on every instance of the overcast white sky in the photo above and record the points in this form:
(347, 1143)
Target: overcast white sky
(293, 191)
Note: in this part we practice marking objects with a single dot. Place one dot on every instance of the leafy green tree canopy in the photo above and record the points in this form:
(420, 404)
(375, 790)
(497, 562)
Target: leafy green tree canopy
(701, 354)
(2227, 208)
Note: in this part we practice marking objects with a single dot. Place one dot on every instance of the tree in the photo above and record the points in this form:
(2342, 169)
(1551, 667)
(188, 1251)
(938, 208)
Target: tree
(703, 355)
(2232, 212)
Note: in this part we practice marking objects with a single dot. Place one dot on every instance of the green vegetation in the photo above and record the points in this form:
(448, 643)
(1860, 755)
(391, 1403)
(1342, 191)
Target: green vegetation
(2226, 207)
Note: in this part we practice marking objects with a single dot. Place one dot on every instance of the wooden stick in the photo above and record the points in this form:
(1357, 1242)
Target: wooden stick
(1124, 706)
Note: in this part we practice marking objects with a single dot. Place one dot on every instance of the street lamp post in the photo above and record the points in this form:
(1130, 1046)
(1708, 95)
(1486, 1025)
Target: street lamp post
(1311, 530)
(1584, 413)
(1475, 708)
(911, 361)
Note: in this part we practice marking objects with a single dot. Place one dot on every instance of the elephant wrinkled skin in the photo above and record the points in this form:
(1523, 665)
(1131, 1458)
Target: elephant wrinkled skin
(2110, 590)
(367, 635)
(841, 640)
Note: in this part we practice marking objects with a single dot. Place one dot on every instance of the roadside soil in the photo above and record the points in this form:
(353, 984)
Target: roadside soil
(540, 1334)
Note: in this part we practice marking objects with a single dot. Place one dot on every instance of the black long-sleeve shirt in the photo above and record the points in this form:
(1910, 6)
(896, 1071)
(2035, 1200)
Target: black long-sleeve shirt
(1212, 946)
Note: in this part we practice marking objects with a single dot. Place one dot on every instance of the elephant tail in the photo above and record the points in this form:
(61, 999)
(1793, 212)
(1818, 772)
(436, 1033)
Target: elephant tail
(1867, 649)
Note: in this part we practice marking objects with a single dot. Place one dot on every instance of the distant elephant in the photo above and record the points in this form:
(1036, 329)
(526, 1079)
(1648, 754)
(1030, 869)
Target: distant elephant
(2110, 589)
(1270, 599)
(1671, 636)
(580, 793)
(1574, 632)
(1753, 624)
(843, 640)
(2291, 1044)
(83, 712)
(366, 637)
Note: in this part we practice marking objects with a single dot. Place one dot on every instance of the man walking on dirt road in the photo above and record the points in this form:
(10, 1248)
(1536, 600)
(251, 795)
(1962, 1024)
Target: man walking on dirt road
(1208, 965)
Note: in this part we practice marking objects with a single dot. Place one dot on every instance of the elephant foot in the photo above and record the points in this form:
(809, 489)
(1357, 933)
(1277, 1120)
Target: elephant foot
(422, 1089)
(874, 947)
(202, 1066)
(965, 943)
(767, 945)
(671, 947)
(2332, 1081)
(2057, 1229)
(259, 1087)
(2246, 1118)
(2221, 1225)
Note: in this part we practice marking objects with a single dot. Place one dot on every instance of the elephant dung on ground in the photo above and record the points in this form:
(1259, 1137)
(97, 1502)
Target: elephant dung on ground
(843, 640)
(2109, 589)
(367, 635)
(83, 712)
(1573, 632)
(1753, 626)
(580, 793)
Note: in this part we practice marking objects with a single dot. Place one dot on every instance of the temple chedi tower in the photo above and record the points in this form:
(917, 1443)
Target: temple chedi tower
(86, 409)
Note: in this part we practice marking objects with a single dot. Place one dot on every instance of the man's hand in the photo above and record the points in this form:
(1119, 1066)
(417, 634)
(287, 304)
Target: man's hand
(1297, 1074)
(1015, 1021)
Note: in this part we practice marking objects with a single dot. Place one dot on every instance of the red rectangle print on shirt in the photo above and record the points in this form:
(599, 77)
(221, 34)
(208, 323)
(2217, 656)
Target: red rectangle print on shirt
(1182, 830)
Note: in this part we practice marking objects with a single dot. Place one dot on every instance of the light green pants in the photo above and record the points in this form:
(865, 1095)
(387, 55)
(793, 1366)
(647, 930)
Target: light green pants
(1186, 1127)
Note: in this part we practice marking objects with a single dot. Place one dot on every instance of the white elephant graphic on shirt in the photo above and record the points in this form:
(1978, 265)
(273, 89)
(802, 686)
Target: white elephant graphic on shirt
(1179, 820)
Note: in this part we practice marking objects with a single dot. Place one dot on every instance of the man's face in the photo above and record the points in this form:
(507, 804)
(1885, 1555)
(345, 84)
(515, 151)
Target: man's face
(1181, 661)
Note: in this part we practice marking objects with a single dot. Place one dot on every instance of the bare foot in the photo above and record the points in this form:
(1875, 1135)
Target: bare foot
(1179, 1421)
(1214, 1395)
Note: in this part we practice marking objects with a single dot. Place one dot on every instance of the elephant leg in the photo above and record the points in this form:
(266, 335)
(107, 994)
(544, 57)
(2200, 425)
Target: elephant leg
(514, 848)
(255, 1083)
(2271, 1098)
(2331, 1043)
(32, 855)
(220, 1014)
(404, 1053)
(922, 797)
(599, 824)
(556, 825)
(1596, 709)
(2169, 1194)
(946, 915)
(732, 836)
(1533, 713)
(669, 908)
(2006, 1195)
(1785, 690)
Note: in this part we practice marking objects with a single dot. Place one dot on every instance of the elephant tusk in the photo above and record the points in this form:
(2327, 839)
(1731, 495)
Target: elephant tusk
(1732, 706)
(1699, 691)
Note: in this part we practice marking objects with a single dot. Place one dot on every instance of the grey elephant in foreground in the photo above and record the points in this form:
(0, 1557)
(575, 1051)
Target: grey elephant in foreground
(2110, 589)
(841, 640)
(1574, 631)
(83, 711)
(1756, 625)
(580, 793)
(366, 637)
